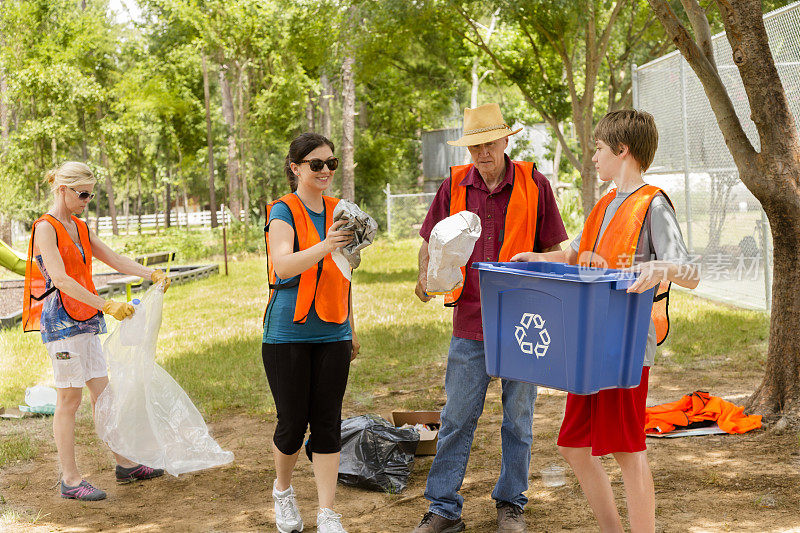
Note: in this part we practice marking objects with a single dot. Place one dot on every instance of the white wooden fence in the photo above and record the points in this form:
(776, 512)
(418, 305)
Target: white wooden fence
(130, 225)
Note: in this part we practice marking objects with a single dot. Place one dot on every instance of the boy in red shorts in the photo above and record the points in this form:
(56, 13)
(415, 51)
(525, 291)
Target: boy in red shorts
(633, 226)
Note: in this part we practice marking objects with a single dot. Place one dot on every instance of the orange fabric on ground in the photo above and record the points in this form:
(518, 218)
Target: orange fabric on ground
(697, 407)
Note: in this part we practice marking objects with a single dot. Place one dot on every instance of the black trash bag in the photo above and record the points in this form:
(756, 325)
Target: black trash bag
(375, 454)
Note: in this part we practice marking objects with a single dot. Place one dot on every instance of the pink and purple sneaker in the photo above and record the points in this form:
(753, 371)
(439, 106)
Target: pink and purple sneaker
(137, 473)
(83, 492)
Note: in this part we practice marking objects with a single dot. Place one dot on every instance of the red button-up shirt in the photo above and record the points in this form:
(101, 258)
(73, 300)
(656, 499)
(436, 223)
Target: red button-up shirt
(491, 208)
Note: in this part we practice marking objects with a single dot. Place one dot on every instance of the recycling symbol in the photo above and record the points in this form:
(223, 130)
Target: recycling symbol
(521, 334)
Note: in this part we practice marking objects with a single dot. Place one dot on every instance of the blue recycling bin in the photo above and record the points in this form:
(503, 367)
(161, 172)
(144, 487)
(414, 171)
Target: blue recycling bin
(562, 326)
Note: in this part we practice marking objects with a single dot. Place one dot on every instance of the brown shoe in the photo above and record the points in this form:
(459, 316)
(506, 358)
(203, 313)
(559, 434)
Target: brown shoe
(433, 523)
(510, 518)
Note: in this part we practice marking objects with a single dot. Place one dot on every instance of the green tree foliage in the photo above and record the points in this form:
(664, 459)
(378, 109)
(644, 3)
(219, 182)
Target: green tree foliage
(570, 60)
(129, 97)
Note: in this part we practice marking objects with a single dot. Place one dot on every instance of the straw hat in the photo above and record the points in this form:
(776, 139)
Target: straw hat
(483, 124)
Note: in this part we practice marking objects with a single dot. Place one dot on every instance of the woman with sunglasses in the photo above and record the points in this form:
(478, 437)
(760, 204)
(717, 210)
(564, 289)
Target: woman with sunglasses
(61, 301)
(308, 338)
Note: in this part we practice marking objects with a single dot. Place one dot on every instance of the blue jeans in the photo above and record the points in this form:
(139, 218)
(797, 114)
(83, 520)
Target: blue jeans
(465, 383)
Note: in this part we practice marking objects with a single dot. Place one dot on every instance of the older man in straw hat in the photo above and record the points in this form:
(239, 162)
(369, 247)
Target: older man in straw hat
(518, 213)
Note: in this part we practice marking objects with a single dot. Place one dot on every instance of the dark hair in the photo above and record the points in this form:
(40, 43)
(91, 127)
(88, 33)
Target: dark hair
(301, 146)
(635, 129)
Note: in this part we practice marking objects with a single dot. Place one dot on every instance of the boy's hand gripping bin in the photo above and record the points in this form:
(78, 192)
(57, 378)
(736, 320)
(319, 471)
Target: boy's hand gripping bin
(562, 326)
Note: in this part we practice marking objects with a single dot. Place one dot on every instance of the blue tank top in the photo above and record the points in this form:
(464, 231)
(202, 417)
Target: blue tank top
(55, 323)
(278, 324)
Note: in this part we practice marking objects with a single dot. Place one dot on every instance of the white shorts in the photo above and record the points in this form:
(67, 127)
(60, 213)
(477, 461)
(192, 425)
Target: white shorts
(76, 360)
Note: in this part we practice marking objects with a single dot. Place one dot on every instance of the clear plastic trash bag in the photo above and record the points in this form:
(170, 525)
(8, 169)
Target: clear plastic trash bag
(449, 248)
(143, 414)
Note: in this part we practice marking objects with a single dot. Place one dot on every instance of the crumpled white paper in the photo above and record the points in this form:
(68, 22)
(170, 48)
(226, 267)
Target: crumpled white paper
(449, 248)
(364, 229)
(143, 414)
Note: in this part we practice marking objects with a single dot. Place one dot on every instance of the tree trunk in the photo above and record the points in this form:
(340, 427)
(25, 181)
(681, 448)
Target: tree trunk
(721, 185)
(126, 205)
(588, 185)
(109, 181)
(310, 112)
(582, 117)
(53, 142)
(420, 165)
(325, 105)
(155, 195)
(184, 197)
(243, 144)
(138, 186)
(245, 189)
(168, 199)
(185, 203)
(348, 120)
(772, 175)
(98, 206)
(5, 229)
(234, 200)
(779, 391)
(4, 112)
(476, 79)
(212, 195)
(82, 124)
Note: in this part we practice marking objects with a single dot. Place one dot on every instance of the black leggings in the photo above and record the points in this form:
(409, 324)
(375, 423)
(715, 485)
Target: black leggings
(308, 381)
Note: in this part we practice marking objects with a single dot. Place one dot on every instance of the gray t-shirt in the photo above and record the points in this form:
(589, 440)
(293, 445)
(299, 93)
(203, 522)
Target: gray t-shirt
(659, 239)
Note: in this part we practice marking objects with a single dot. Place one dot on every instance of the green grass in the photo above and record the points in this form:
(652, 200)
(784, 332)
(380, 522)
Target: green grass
(10, 516)
(704, 333)
(23, 363)
(17, 446)
(210, 339)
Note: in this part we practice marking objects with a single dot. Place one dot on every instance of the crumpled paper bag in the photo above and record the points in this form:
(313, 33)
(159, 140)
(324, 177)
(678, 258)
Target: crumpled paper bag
(449, 248)
(364, 229)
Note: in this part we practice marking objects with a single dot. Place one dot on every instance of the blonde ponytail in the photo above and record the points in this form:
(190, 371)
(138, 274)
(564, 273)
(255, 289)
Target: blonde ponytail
(50, 177)
(70, 174)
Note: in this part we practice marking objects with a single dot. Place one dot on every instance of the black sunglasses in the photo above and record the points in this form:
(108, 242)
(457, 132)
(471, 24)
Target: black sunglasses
(82, 195)
(316, 164)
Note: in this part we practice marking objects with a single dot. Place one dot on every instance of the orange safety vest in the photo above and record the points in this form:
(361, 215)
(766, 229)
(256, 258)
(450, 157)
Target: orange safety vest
(77, 267)
(697, 407)
(521, 214)
(324, 285)
(617, 246)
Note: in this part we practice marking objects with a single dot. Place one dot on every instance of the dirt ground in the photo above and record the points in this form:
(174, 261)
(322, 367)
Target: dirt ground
(715, 483)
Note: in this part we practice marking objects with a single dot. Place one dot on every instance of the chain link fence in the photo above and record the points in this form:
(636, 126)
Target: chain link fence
(405, 212)
(722, 222)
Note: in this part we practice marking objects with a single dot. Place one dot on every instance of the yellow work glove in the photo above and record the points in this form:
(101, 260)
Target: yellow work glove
(158, 276)
(119, 310)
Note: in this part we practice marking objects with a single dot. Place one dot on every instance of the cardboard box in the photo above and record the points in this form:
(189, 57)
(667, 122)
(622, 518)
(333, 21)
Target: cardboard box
(12, 412)
(427, 438)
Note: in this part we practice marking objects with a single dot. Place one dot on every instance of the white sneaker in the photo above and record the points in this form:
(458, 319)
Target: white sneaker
(287, 515)
(329, 522)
